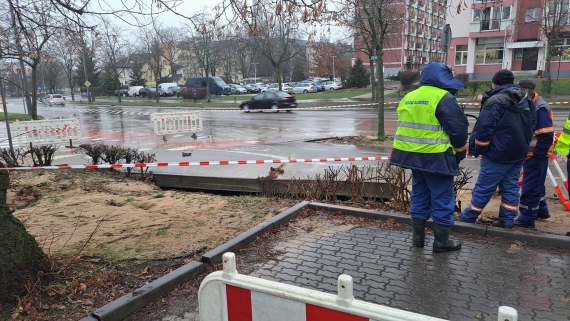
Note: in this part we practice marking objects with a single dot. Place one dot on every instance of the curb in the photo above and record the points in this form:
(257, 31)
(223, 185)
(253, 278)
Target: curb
(530, 237)
(126, 305)
(215, 255)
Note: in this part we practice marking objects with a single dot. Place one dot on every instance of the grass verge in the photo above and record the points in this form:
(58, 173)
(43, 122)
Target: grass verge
(16, 116)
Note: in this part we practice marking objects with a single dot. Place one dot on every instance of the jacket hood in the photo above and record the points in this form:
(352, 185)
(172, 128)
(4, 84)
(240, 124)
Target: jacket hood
(510, 97)
(439, 75)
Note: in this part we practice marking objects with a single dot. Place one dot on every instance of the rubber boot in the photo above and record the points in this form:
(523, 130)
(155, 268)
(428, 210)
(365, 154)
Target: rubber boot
(419, 227)
(441, 242)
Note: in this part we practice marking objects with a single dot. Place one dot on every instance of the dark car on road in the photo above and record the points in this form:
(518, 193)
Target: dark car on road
(143, 92)
(269, 100)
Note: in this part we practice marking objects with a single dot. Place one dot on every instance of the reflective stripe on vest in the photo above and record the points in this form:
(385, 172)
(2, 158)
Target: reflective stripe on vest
(418, 130)
(563, 144)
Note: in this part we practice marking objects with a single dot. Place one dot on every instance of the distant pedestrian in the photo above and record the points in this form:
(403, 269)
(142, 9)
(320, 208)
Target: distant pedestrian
(501, 136)
(431, 140)
(533, 195)
(194, 94)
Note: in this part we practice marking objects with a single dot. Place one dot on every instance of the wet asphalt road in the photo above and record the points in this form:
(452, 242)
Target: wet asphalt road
(233, 135)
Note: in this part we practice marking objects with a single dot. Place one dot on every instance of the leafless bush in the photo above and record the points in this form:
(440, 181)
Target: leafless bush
(145, 157)
(42, 155)
(13, 160)
(95, 151)
(113, 154)
(459, 182)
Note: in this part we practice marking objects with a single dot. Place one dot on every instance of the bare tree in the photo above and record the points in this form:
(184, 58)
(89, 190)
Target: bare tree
(324, 65)
(204, 31)
(52, 71)
(65, 52)
(376, 20)
(114, 49)
(171, 39)
(273, 30)
(156, 61)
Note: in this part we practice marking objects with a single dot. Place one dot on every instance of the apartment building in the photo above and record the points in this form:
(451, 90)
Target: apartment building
(490, 35)
(416, 39)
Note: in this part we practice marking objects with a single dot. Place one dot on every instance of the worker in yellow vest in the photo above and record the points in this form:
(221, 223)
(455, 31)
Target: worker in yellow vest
(563, 145)
(431, 140)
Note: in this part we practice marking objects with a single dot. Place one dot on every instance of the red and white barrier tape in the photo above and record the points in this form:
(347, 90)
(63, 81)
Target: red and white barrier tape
(208, 163)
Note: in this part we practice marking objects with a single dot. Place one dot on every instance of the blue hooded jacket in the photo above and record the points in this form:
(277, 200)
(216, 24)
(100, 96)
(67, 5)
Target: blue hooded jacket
(505, 125)
(451, 118)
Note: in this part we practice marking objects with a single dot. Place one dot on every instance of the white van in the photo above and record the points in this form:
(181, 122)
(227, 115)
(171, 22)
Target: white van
(134, 90)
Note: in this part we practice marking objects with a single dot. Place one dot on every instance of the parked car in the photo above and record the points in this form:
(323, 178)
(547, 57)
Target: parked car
(55, 99)
(269, 100)
(331, 85)
(122, 92)
(134, 90)
(251, 89)
(271, 87)
(172, 90)
(304, 87)
(319, 85)
(237, 89)
(217, 84)
(143, 92)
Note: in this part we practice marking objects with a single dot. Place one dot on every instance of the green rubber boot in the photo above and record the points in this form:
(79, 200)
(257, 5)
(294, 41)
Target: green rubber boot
(419, 227)
(442, 243)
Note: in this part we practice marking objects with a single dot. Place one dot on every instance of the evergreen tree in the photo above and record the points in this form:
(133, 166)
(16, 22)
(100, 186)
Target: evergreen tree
(93, 72)
(298, 72)
(358, 77)
(137, 76)
(108, 83)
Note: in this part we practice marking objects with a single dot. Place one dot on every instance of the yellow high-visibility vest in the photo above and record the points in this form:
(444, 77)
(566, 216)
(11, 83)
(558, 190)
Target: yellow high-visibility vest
(418, 130)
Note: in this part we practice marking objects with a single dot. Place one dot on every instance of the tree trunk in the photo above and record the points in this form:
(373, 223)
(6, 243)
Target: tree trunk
(33, 106)
(20, 255)
(372, 82)
(380, 90)
(548, 84)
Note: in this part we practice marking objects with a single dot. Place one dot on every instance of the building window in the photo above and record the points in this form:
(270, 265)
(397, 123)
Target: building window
(491, 17)
(476, 15)
(506, 13)
(518, 54)
(558, 11)
(460, 55)
(561, 50)
(491, 53)
(532, 14)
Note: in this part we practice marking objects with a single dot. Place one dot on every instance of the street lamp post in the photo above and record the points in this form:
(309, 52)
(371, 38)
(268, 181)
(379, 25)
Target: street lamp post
(333, 68)
(255, 70)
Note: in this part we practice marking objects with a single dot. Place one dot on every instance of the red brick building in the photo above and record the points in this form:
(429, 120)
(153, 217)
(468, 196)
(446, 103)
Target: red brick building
(415, 39)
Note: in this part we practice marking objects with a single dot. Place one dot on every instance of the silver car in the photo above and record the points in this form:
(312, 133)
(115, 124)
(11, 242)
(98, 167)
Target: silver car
(304, 87)
(55, 99)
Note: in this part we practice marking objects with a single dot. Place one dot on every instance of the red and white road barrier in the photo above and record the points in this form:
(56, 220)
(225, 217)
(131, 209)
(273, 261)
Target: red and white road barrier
(558, 190)
(229, 296)
(208, 163)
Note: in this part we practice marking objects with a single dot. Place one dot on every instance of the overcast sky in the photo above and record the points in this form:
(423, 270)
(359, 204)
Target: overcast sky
(187, 8)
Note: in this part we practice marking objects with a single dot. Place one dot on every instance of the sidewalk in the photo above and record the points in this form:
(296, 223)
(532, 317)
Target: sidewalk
(458, 286)
(467, 285)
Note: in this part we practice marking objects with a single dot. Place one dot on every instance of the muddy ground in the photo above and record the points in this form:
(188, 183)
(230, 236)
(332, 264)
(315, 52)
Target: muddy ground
(117, 233)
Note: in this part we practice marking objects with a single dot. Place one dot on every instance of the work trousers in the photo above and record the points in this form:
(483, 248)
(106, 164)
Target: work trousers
(432, 197)
(491, 175)
(533, 196)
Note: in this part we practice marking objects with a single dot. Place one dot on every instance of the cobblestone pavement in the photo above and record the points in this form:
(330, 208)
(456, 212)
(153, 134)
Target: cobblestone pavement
(467, 285)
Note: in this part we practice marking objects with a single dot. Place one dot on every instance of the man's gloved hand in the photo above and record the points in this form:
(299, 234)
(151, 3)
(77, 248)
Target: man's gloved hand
(460, 156)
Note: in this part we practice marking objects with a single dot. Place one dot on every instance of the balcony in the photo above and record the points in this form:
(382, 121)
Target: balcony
(493, 24)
